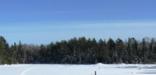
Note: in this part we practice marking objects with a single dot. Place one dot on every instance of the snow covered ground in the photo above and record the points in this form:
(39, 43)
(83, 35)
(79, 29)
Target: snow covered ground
(101, 69)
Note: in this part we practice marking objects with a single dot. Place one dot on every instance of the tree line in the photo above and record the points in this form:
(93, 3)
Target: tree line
(80, 51)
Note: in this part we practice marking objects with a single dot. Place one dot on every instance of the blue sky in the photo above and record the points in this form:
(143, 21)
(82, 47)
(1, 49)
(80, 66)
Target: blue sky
(42, 21)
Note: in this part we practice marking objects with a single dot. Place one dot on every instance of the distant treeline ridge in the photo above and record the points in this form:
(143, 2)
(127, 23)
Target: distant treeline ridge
(80, 51)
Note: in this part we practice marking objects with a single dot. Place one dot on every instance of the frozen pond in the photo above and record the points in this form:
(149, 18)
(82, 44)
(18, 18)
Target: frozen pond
(101, 69)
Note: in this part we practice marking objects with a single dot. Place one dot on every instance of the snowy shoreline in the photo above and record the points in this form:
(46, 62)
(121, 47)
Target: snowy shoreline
(58, 69)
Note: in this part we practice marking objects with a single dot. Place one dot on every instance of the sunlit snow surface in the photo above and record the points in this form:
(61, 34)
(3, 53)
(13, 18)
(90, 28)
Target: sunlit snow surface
(101, 69)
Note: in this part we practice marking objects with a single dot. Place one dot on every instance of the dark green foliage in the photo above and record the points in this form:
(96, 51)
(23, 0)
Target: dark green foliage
(4, 51)
(80, 51)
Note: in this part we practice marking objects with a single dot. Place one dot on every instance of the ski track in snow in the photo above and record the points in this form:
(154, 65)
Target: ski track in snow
(26, 70)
